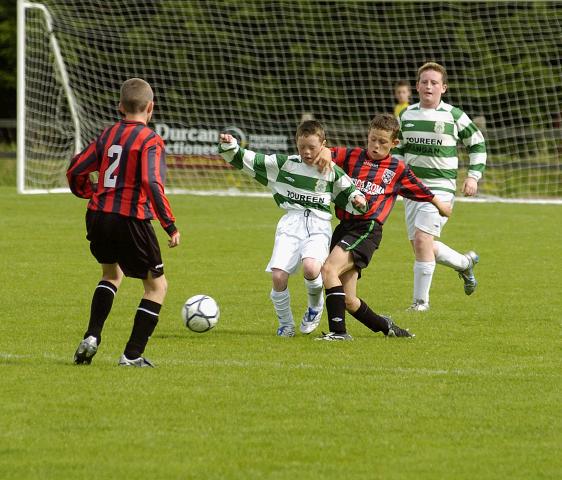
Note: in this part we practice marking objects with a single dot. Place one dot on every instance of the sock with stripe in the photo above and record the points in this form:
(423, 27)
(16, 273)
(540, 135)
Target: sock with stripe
(315, 292)
(370, 319)
(451, 258)
(335, 306)
(102, 301)
(282, 305)
(146, 319)
(423, 274)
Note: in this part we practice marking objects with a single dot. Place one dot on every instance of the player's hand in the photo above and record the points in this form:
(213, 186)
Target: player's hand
(470, 187)
(226, 138)
(323, 161)
(174, 240)
(445, 209)
(359, 202)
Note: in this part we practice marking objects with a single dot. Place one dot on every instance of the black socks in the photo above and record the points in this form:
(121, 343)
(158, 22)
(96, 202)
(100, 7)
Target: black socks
(370, 319)
(102, 302)
(335, 306)
(145, 323)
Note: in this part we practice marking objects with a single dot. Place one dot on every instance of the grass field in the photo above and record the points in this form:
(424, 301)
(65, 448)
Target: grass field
(476, 395)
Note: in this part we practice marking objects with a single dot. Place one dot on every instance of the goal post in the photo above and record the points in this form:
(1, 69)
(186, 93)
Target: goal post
(256, 68)
(26, 126)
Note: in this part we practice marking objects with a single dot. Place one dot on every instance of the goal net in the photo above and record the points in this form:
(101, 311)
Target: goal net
(257, 68)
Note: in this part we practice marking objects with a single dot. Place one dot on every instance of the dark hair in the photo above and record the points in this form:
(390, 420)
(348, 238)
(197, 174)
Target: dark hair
(136, 94)
(433, 66)
(387, 122)
(311, 127)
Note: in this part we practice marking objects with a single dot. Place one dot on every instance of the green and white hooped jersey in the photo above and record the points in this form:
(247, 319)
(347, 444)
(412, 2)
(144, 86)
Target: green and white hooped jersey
(295, 185)
(428, 144)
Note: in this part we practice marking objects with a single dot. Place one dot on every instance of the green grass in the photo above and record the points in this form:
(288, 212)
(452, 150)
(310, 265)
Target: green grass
(8, 172)
(476, 395)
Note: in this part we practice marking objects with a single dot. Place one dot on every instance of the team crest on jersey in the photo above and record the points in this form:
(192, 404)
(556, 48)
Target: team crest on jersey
(439, 127)
(320, 186)
(387, 176)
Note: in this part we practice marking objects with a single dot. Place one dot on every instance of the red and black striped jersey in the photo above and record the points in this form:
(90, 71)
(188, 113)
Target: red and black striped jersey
(381, 181)
(130, 159)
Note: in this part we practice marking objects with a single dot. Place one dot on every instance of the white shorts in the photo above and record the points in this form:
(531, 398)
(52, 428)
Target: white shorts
(425, 216)
(299, 235)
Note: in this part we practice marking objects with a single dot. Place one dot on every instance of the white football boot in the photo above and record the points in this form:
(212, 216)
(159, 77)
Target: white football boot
(467, 275)
(135, 362)
(86, 351)
(418, 306)
(311, 320)
(286, 331)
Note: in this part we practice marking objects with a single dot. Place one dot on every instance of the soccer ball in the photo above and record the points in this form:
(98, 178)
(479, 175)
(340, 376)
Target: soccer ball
(200, 313)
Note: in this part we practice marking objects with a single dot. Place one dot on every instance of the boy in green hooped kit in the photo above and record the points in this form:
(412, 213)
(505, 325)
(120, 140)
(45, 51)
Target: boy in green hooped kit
(429, 133)
(303, 234)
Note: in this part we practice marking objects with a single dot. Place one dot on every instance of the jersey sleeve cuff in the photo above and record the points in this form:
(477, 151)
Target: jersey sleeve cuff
(226, 147)
(171, 229)
(474, 174)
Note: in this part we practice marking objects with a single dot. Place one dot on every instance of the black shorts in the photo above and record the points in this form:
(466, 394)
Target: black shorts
(127, 241)
(360, 237)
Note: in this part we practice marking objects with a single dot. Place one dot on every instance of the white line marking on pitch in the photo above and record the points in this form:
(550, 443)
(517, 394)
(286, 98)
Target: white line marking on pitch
(497, 371)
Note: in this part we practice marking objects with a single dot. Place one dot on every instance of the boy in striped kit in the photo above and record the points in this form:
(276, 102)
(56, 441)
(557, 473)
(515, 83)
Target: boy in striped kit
(303, 233)
(130, 159)
(429, 132)
(381, 178)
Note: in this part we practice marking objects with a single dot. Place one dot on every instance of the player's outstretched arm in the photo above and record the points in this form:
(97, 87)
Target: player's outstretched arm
(226, 138)
(230, 152)
(445, 208)
(262, 168)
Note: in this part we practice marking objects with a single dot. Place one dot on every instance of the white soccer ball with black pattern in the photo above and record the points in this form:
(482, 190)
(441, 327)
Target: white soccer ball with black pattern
(200, 313)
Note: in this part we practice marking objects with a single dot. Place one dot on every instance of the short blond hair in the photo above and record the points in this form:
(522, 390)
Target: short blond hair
(386, 122)
(136, 94)
(433, 66)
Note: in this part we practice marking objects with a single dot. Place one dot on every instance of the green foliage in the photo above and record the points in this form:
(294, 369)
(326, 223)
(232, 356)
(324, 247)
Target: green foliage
(8, 58)
(475, 395)
(506, 44)
(8, 44)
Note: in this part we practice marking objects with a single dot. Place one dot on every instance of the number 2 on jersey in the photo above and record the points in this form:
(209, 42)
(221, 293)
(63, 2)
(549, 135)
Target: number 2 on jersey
(114, 154)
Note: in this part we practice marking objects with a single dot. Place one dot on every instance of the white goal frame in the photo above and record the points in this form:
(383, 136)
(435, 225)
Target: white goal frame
(59, 62)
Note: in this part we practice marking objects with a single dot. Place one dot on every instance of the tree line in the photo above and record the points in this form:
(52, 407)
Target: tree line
(265, 63)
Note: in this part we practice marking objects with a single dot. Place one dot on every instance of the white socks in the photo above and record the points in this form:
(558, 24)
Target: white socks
(447, 256)
(315, 290)
(282, 300)
(282, 304)
(423, 273)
